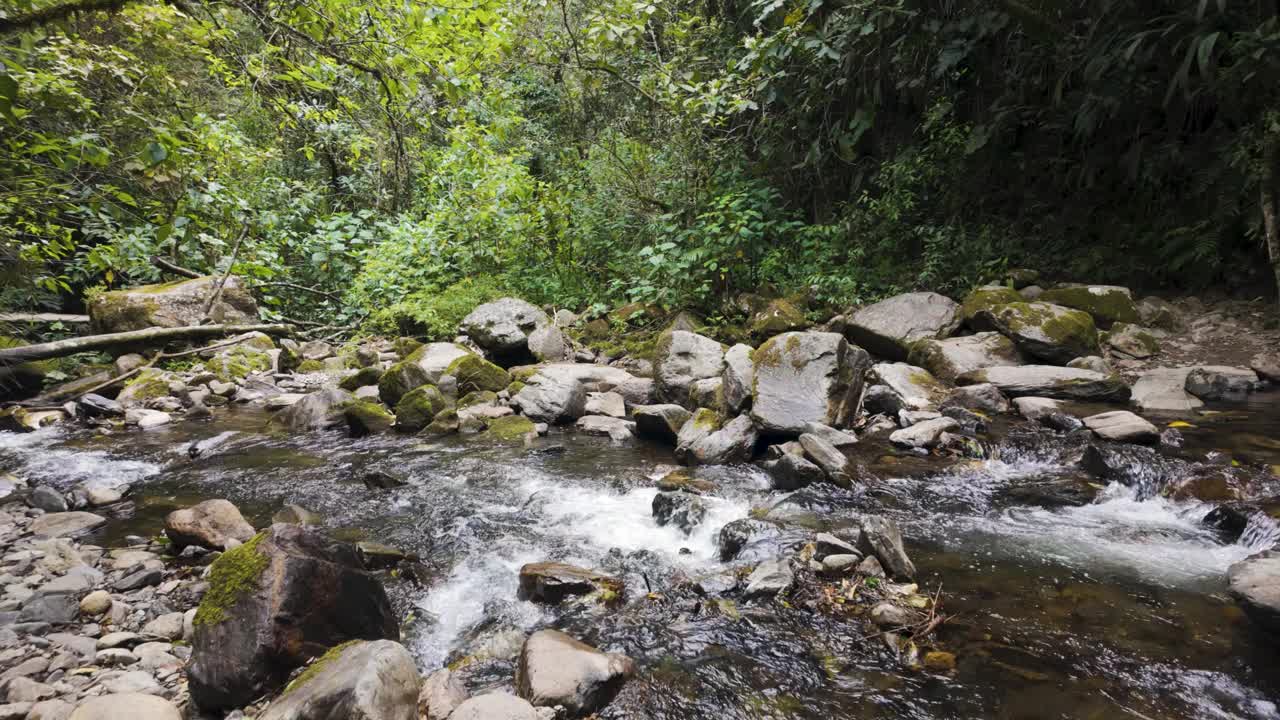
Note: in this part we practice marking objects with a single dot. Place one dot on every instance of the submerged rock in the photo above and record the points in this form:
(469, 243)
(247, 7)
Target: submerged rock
(272, 603)
(683, 510)
(890, 327)
(804, 377)
(555, 669)
(362, 680)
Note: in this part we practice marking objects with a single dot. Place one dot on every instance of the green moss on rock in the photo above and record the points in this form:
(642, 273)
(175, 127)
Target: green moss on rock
(235, 573)
(1107, 304)
(361, 378)
(419, 407)
(147, 385)
(514, 388)
(238, 363)
(399, 379)
(311, 366)
(365, 417)
(444, 423)
(475, 373)
(319, 664)
(511, 428)
(779, 317)
(987, 297)
(477, 397)
(405, 346)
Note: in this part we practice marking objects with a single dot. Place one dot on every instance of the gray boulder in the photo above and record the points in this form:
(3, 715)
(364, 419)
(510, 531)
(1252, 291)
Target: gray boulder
(557, 393)
(320, 410)
(1221, 382)
(838, 438)
(770, 578)
(948, 359)
(171, 305)
(917, 388)
(548, 344)
(1122, 426)
(834, 464)
(890, 327)
(734, 442)
(366, 680)
(555, 669)
(1043, 330)
(738, 378)
(65, 523)
(1255, 583)
(500, 706)
(212, 524)
(1164, 389)
(804, 377)
(660, 422)
(1051, 382)
(683, 510)
(881, 537)
(681, 358)
(503, 326)
(925, 434)
(616, 429)
(442, 692)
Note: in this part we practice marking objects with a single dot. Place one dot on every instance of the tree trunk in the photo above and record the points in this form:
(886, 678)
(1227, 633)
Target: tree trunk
(1268, 203)
(44, 318)
(70, 346)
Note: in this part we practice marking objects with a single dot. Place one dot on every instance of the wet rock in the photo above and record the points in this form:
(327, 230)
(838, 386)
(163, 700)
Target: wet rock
(890, 327)
(923, 434)
(1229, 521)
(983, 398)
(804, 377)
(48, 499)
(1131, 340)
(1108, 304)
(738, 378)
(552, 582)
(1051, 382)
(1255, 584)
(616, 429)
(880, 536)
(442, 692)
(1043, 330)
(1221, 382)
(212, 524)
(1164, 389)
(791, 472)
(145, 418)
(834, 463)
(93, 405)
(747, 539)
(1122, 426)
(503, 326)
(682, 481)
(65, 523)
(321, 410)
(660, 422)
(555, 669)
(681, 509)
(916, 388)
(827, 544)
(734, 442)
(948, 359)
(1207, 485)
(364, 680)
(500, 706)
(682, 358)
(770, 578)
(888, 615)
(274, 602)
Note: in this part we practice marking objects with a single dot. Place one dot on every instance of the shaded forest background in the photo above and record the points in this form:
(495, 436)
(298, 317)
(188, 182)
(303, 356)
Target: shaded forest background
(405, 160)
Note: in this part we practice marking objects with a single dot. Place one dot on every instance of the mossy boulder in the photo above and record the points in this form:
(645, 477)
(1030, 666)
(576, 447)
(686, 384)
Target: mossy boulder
(175, 304)
(20, 380)
(890, 327)
(512, 428)
(310, 366)
(272, 605)
(986, 297)
(361, 378)
(515, 387)
(238, 363)
(475, 373)
(405, 346)
(1044, 330)
(364, 417)
(952, 357)
(419, 407)
(1107, 304)
(146, 385)
(477, 397)
(1132, 340)
(444, 423)
(290, 355)
(779, 317)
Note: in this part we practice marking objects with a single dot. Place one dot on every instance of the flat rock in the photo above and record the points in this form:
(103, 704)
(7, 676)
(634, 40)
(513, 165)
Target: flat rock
(65, 523)
(915, 387)
(615, 428)
(923, 434)
(1164, 390)
(890, 327)
(1043, 330)
(1122, 426)
(134, 706)
(1051, 382)
(1255, 583)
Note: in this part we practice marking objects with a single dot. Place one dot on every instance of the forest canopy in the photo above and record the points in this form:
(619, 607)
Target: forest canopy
(406, 160)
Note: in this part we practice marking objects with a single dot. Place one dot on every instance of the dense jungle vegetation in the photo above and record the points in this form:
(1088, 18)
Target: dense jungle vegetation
(404, 160)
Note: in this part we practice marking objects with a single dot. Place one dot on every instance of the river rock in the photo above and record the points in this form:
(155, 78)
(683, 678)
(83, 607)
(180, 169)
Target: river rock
(734, 442)
(274, 602)
(890, 327)
(212, 524)
(134, 706)
(442, 692)
(924, 434)
(804, 377)
(1051, 382)
(880, 536)
(610, 404)
(917, 389)
(364, 680)
(1255, 584)
(552, 582)
(1267, 365)
(792, 472)
(93, 405)
(95, 603)
(828, 457)
(1122, 426)
(983, 299)
(47, 499)
(1042, 330)
(738, 378)
(683, 510)
(1221, 382)
(660, 422)
(1108, 304)
(65, 523)
(770, 578)
(947, 359)
(548, 344)
(320, 410)
(418, 407)
(557, 393)
(681, 358)
(1131, 340)
(503, 326)
(555, 669)
(172, 305)
(983, 398)
(500, 706)
(616, 429)
(827, 544)
(748, 539)
(1164, 389)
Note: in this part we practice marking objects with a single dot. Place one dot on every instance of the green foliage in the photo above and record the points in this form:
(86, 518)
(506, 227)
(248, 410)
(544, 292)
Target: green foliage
(435, 314)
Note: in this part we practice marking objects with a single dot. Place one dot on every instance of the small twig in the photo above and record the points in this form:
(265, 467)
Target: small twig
(217, 292)
(173, 268)
(280, 283)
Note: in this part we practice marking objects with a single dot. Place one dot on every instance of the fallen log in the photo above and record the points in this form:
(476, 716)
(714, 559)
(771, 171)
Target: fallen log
(44, 318)
(155, 335)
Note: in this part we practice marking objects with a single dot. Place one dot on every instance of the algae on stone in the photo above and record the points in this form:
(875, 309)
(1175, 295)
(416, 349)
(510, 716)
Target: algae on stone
(510, 428)
(365, 417)
(235, 573)
(419, 407)
(475, 373)
(361, 378)
(1106, 303)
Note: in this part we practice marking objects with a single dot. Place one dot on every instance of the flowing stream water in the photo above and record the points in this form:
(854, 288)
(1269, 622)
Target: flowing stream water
(1109, 605)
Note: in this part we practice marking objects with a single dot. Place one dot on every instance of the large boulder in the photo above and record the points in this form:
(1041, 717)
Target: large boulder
(914, 386)
(1042, 330)
(425, 365)
(738, 378)
(1107, 304)
(360, 680)
(116, 706)
(499, 706)
(984, 298)
(1255, 584)
(503, 326)
(286, 596)
(1221, 382)
(556, 669)
(474, 373)
(320, 410)
(175, 304)
(212, 524)
(419, 407)
(682, 358)
(948, 359)
(660, 422)
(890, 327)
(805, 377)
(557, 393)
(1051, 382)
(1164, 390)
(733, 442)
